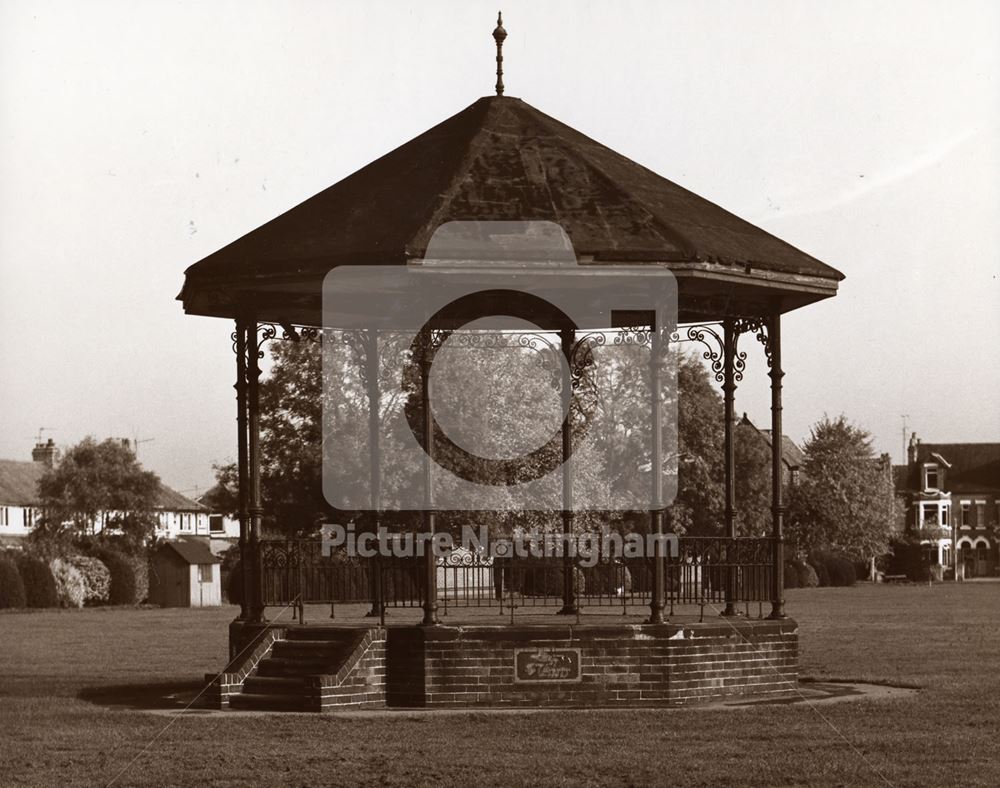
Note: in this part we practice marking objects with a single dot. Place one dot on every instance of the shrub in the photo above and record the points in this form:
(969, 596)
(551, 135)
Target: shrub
(96, 578)
(842, 572)
(833, 569)
(140, 568)
(71, 588)
(791, 575)
(822, 571)
(124, 585)
(807, 576)
(908, 558)
(39, 584)
(11, 586)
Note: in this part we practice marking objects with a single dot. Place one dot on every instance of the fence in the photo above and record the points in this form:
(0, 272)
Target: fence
(297, 571)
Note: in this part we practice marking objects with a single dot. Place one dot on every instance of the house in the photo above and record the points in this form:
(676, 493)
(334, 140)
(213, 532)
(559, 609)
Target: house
(951, 496)
(219, 500)
(20, 507)
(185, 573)
(792, 458)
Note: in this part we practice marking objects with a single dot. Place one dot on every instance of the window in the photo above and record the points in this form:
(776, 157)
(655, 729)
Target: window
(204, 573)
(982, 552)
(215, 524)
(944, 515)
(4, 516)
(29, 517)
(966, 511)
(980, 514)
(930, 477)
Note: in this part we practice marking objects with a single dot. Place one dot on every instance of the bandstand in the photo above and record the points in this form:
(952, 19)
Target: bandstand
(502, 160)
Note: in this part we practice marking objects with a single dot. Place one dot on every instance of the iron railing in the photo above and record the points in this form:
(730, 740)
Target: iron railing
(296, 571)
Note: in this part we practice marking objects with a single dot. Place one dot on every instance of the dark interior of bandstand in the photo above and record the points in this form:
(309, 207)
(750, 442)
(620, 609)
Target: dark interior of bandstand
(501, 160)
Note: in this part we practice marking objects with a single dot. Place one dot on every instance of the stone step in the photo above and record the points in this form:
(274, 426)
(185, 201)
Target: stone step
(327, 634)
(280, 666)
(253, 701)
(275, 685)
(311, 649)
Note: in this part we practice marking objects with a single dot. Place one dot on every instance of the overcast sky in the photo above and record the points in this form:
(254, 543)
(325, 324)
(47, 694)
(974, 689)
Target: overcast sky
(137, 138)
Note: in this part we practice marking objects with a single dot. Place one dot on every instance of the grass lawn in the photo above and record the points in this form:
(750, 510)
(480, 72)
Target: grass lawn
(945, 639)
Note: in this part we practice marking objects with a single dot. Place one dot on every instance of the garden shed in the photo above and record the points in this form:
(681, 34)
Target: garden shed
(185, 573)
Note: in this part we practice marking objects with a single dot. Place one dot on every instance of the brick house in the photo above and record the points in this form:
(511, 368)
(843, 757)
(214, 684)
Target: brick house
(951, 496)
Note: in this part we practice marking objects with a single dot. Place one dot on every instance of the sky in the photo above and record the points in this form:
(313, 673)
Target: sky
(137, 138)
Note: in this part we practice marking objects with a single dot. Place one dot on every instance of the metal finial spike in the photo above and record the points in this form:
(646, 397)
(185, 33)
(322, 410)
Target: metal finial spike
(499, 35)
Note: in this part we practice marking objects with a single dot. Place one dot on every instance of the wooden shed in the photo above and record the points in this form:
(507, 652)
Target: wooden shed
(185, 573)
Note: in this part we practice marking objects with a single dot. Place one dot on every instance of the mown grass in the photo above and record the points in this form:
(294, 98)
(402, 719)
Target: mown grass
(945, 639)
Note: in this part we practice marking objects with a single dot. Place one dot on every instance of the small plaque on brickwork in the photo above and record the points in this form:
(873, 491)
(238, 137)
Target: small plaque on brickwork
(535, 665)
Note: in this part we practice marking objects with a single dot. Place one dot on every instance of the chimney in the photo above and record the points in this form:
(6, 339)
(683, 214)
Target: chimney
(45, 452)
(914, 446)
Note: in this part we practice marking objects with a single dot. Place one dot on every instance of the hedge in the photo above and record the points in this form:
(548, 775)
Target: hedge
(71, 587)
(833, 570)
(96, 578)
(124, 587)
(791, 574)
(11, 586)
(40, 587)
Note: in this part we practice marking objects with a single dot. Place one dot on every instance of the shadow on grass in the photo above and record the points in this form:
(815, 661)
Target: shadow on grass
(143, 697)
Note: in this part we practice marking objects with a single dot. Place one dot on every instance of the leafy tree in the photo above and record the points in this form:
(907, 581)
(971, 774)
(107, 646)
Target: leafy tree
(98, 487)
(845, 501)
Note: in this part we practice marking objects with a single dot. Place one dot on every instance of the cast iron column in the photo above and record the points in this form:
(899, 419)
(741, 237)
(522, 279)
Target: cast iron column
(729, 341)
(241, 460)
(777, 505)
(370, 344)
(430, 564)
(569, 595)
(256, 604)
(656, 361)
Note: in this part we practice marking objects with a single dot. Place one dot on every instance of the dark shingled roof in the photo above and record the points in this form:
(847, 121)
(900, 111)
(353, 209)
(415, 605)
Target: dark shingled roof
(193, 551)
(502, 159)
(19, 487)
(19, 482)
(975, 467)
(172, 501)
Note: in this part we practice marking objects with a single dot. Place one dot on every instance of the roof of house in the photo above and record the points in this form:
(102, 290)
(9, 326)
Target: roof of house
(193, 551)
(172, 501)
(19, 482)
(975, 467)
(19, 487)
(791, 454)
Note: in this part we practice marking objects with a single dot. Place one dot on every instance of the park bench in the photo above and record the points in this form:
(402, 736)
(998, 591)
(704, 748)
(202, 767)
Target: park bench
(894, 578)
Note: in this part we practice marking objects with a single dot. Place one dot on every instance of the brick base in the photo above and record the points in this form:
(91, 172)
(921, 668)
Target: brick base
(610, 665)
(642, 665)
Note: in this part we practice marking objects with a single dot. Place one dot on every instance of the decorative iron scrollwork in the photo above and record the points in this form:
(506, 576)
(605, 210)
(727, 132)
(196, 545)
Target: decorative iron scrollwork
(715, 348)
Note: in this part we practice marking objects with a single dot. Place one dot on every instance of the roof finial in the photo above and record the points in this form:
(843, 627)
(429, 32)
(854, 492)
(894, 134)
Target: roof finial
(499, 35)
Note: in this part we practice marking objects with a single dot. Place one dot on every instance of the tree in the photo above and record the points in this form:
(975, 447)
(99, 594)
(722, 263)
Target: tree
(845, 501)
(98, 487)
(295, 441)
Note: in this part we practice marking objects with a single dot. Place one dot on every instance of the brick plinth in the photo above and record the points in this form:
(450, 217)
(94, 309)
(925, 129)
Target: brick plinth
(641, 665)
